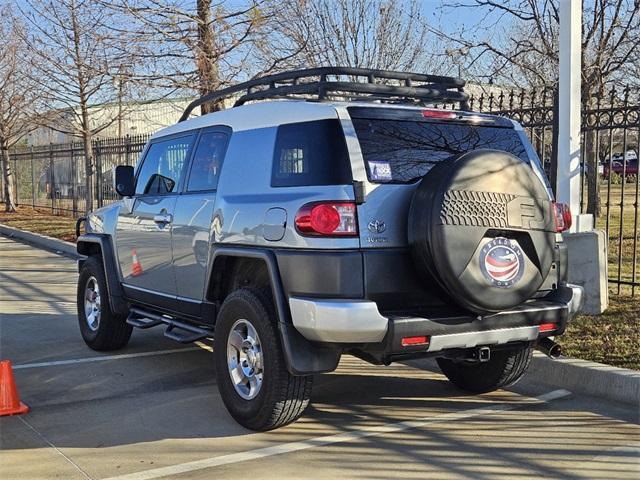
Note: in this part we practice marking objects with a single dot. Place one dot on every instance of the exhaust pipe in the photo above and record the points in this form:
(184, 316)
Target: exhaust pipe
(549, 348)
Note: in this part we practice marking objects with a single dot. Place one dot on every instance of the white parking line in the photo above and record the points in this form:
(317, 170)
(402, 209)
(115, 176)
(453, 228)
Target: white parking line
(331, 439)
(55, 363)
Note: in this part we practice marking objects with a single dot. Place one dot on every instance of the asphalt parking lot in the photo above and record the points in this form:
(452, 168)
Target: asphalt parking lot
(152, 410)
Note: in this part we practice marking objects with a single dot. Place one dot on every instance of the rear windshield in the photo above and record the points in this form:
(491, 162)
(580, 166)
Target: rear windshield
(310, 153)
(400, 151)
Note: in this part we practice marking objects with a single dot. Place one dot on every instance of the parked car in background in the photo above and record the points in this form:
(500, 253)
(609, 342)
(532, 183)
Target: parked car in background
(622, 166)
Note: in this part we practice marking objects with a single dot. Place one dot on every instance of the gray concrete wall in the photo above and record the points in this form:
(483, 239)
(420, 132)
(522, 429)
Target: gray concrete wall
(588, 268)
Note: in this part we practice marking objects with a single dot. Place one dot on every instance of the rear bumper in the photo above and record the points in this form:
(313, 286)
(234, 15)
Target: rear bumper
(360, 322)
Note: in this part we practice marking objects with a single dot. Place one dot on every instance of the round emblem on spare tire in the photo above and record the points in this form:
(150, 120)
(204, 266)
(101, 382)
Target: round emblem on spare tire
(501, 262)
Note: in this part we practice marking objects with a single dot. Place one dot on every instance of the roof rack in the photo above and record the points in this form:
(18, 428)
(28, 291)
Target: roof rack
(316, 84)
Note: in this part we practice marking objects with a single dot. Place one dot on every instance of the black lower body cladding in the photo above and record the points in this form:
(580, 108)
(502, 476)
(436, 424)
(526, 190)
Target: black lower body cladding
(386, 276)
(318, 273)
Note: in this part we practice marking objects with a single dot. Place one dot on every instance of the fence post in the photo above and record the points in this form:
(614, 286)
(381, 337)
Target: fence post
(33, 180)
(74, 196)
(553, 170)
(53, 179)
(98, 167)
(127, 157)
(15, 179)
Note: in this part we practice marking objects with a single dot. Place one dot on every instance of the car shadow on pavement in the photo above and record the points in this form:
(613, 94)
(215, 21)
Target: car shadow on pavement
(145, 401)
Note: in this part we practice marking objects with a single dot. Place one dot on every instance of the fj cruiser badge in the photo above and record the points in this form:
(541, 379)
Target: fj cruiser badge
(502, 262)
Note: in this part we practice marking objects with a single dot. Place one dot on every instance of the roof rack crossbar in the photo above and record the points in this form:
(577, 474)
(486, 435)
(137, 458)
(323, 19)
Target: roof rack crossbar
(429, 92)
(428, 88)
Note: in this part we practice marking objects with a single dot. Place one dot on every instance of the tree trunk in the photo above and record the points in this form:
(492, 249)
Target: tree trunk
(207, 58)
(8, 177)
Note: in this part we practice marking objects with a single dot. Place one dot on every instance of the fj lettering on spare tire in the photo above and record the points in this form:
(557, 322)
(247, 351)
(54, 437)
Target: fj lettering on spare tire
(480, 224)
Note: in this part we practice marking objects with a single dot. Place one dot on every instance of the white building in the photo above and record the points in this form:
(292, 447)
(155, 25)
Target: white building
(137, 118)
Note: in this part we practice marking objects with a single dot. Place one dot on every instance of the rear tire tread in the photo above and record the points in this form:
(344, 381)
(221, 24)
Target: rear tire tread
(289, 395)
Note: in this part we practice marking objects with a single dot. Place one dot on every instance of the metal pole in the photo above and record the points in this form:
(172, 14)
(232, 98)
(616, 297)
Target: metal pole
(16, 181)
(74, 193)
(33, 180)
(568, 179)
(97, 152)
(53, 180)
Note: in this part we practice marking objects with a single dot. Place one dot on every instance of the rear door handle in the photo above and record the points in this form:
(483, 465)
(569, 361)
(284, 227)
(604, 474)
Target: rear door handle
(163, 218)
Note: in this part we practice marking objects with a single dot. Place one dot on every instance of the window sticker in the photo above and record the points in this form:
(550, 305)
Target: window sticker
(380, 171)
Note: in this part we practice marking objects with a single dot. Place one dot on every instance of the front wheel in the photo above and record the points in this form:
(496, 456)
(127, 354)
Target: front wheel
(258, 391)
(101, 329)
(504, 368)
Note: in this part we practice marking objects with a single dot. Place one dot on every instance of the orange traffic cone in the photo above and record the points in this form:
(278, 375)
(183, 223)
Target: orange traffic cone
(10, 403)
(136, 266)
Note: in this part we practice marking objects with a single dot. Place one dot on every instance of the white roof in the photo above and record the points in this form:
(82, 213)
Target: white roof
(270, 114)
(257, 115)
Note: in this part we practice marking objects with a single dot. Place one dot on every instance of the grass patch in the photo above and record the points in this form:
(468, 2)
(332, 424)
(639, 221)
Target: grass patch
(623, 222)
(40, 221)
(612, 338)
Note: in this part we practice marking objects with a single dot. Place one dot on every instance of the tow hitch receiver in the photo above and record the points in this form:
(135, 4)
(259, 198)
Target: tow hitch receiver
(481, 354)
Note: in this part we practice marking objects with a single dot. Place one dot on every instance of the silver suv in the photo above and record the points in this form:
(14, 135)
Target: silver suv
(330, 212)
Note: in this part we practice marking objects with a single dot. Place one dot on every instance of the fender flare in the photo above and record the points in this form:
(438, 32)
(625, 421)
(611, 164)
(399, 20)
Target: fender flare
(86, 245)
(301, 356)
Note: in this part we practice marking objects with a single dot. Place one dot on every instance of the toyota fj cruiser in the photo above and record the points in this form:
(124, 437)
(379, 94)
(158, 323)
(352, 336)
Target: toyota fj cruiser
(346, 215)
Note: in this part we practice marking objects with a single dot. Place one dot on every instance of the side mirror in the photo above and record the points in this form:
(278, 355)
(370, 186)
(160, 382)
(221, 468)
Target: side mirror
(124, 181)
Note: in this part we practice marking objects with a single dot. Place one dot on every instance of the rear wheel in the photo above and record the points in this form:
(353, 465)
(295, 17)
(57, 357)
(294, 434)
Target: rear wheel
(101, 329)
(504, 368)
(253, 380)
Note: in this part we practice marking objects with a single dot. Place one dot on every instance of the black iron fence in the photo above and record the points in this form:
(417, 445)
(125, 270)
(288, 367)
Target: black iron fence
(610, 186)
(53, 176)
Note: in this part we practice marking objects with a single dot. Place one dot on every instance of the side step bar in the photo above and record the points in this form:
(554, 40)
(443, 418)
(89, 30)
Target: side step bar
(177, 330)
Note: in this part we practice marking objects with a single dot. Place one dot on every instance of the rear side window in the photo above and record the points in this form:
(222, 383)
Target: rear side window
(206, 163)
(399, 151)
(310, 153)
(163, 165)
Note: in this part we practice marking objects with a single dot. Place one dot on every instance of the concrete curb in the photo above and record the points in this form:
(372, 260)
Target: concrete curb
(42, 241)
(589, 378)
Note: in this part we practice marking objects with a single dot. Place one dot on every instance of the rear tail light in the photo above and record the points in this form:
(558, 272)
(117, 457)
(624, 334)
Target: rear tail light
(412, 341)
(439, 114)
(547, 327)
(329, 219)
(562, 216)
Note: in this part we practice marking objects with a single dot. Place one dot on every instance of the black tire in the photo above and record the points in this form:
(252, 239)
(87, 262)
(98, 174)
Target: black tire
(504, 368)
(111, 331)
(282, 397)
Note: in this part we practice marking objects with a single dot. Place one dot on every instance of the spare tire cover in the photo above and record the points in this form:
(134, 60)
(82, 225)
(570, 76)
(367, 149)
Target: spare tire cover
(482, 225)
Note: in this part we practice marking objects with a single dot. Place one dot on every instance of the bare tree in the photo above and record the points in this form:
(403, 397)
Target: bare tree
(77, 59)
(19, 96)
(380, 34)
(187, 47)
(517, 42)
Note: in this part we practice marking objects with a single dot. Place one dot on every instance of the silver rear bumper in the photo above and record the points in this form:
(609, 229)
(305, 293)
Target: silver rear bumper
(360, 321)
(341, 321)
